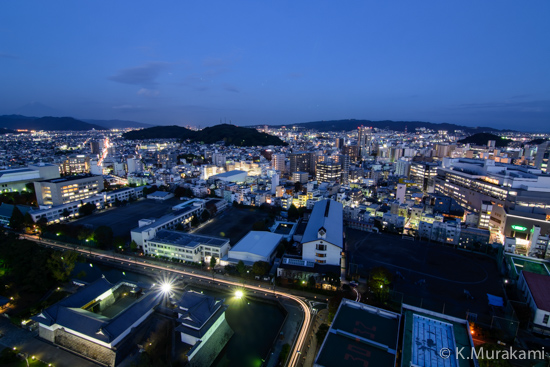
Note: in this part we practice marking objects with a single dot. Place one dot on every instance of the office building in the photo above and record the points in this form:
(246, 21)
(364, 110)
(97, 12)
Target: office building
(328, 171)
(76, 164)
(423, 173)
(64, 190)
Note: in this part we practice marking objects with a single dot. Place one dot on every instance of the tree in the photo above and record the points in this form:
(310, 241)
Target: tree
(379, 281)
(133, 246)
(241, 268)
(28, 220)
(297, 186)
(42, 223)
(321, 332)
(103, 235)
(205, 215)
(311, 282)
(213, 262)
(259, 226)
(293, 213)
(86, 209)
(66, 213)
(119, 242)
(195, 221)
(260, 268)
(61, 265)
(17, 220)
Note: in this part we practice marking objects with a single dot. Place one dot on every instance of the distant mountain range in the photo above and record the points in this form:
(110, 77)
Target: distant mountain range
(229, 134)
(352, 124)
(15, 122)
(117, 124)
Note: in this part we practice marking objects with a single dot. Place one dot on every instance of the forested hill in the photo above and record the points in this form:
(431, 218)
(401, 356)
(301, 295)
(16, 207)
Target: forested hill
(228, 134)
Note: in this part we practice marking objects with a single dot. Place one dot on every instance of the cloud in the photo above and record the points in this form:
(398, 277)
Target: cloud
(7, 56)
(148, 92)
(230, 88)
(294, 75)
(528, 106)
(144, 75)
(126, 107)
(214, 62)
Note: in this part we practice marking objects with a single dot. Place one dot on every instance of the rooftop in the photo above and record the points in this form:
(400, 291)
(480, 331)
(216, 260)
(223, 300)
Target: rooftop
(258, 242)
(79, 313)
(360, 333)
(72, 178)
(539, 285)
(327, 214)
(187, 240)
(425, 333)
(229, 173)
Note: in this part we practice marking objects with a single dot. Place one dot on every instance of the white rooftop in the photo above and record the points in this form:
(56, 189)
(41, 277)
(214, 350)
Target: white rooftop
(260, 243)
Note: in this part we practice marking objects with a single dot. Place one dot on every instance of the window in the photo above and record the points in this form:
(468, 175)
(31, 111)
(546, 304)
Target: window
(545, 319)
(321, 247)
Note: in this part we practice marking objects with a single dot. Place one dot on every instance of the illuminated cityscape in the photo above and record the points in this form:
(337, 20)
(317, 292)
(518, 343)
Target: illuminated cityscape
(198, 195)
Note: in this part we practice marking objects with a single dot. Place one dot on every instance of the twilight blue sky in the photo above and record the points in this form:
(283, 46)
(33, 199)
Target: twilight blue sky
(278, 62)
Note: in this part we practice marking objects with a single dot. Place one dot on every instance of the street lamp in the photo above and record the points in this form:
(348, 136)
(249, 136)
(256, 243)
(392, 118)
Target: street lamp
(166, 288)
(239, 294)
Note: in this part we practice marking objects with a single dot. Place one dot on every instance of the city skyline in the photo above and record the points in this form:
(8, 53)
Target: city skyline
(198, 64)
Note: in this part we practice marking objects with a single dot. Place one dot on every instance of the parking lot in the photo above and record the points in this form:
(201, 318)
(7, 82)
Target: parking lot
(427, 274)
(123, 219)
(233, 223)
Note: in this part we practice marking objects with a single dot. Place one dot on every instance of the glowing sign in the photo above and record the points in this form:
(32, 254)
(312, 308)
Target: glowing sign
(515, 227)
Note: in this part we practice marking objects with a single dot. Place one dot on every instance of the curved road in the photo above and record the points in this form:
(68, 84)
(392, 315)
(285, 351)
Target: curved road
(302, 336)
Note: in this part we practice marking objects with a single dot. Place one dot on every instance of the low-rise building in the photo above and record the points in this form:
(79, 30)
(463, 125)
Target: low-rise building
(534, 288)
(185, 247)
(203, 326)
(100, 320)
(255, 246)
(148, 228)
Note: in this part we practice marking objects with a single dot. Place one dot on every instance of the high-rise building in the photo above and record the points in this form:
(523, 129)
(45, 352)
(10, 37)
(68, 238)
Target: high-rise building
(364, 140)
(541, 158)
(76, 164)
(300, 161)
(423, 173)
(97, 146)
(278, 162)
(329, 171)
(352, 151)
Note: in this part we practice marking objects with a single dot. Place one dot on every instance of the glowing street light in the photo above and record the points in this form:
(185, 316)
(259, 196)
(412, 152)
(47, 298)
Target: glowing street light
(166, 288)
(239, 294)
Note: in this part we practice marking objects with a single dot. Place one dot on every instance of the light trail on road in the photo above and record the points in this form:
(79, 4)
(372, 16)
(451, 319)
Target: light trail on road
(302, 336)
